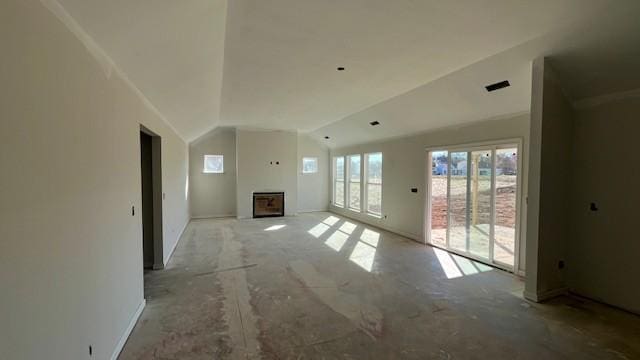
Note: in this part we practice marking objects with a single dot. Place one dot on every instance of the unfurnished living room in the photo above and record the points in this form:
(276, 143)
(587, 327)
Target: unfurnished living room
(319, 179)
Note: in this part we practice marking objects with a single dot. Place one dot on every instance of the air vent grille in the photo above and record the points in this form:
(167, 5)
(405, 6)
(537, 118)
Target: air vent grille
(497, 86)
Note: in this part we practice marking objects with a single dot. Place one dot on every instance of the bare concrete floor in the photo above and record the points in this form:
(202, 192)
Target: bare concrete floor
(318, 286)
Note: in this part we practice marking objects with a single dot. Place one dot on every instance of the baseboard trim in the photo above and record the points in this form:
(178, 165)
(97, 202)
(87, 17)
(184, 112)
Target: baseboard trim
(200, 217)
(545, 295)
(175, 245)
(312, 211)
(128, 330)
(574, 293)
(409, 236)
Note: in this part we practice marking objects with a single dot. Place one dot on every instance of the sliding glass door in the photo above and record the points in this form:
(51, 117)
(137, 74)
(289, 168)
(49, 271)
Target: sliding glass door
(472, 202)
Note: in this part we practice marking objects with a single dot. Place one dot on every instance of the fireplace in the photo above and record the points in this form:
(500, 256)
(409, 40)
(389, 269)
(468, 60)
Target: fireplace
(268, 204)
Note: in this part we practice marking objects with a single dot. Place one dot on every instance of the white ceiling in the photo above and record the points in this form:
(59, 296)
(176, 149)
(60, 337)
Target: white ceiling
(594, 57)
(172, 50)
(274, 66)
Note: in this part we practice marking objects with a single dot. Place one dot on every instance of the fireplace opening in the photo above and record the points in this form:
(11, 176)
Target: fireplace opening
(268, 204)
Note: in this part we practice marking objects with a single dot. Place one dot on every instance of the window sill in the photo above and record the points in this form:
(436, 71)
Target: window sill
(355, 210)
(377, 216)
(212, 172)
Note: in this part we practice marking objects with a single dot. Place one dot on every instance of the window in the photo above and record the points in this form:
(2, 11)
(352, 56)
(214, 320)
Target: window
(373, 181)
(213, 164)
(338, 181)
(309, 165)
(353, 191)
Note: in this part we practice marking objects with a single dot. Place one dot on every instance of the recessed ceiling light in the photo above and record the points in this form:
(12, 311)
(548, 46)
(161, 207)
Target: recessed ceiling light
(497, 86)
(374, 123)
(340, 68)
(326, 137)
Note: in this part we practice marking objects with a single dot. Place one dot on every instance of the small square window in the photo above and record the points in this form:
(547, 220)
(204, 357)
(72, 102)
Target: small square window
(213, 164)
(309, 165)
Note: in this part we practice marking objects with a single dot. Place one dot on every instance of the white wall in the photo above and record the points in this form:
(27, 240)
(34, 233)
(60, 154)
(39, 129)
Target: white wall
(405, 167)
(603, 258)
(579, 157)
(257, 153)
(550, 180)
(70, 250)
(213, 195)
(313, 189)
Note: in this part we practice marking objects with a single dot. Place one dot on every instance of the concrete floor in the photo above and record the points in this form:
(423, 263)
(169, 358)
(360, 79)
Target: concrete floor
(325, 287)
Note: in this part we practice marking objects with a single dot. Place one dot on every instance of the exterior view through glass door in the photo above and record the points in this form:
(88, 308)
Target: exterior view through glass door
(473, 202)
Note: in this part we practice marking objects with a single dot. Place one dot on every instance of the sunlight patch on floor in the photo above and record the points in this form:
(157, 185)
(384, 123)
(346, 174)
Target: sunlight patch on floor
(331, 220)
(337, 240)
(455, 266)
(465, 265)
(363, 255)
(274, 227)
(348, 227)
(447, 264)
(370, 237)
(318, 230)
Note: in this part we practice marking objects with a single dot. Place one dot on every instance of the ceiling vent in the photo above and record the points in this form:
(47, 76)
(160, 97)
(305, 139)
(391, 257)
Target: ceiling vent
(497, 86)
(374, 123)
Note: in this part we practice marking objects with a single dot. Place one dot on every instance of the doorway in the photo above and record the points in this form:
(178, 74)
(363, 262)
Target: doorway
(151, 214)
(473, 202)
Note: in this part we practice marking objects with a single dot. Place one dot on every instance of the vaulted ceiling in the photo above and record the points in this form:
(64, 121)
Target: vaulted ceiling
(413, 65)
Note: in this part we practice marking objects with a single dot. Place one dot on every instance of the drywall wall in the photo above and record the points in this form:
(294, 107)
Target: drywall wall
(603, 258)
(579, 158)
(267, 161)
(405, 167)
(213, 195)
(550, 181)
(313, 189)
(532, 197)
(70, 249)
(555, 182)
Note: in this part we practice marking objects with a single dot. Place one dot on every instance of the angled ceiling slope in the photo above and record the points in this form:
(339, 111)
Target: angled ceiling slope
(173, 51)
(273, 64)
(593, 55)
(281, 56)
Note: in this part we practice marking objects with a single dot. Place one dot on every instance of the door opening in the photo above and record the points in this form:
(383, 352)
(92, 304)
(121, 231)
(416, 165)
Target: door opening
(151, 214)
(473, 202)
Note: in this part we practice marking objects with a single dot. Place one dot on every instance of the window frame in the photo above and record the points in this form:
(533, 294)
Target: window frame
(349, 181)
(365, 177)
(204, 167)
(335, 180)
(315, 159)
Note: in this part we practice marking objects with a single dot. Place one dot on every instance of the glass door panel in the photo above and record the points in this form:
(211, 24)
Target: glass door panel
(506, 171)
(480, 199)
(439, 200)
(458, 201)
(473, 202)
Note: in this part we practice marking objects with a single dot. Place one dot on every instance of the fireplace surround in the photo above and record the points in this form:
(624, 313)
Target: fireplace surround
(268, 204)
